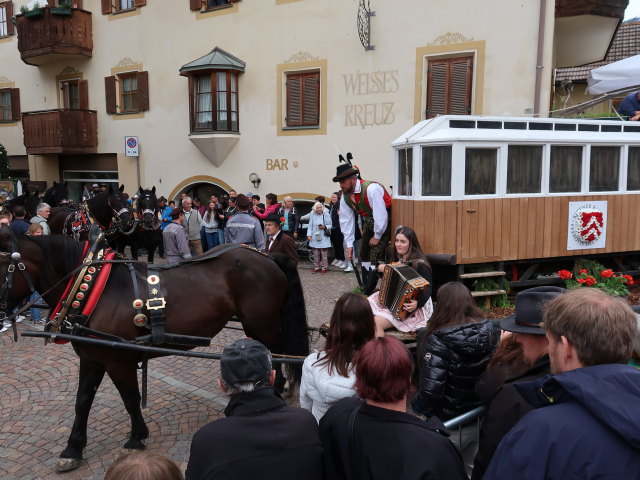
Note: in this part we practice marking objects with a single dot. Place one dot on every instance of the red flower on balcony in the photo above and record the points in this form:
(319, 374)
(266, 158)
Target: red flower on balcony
(628, 279)
(565, 274)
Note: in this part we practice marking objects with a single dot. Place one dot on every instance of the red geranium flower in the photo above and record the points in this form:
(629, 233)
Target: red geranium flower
(582, 271)
(629, 279)
(565, 274)
(580, 280)
(606, 273)
(590, 281)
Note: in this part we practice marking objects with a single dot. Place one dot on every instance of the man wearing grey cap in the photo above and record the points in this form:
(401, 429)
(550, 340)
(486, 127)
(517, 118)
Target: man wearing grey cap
(507, 406)
(261, 437)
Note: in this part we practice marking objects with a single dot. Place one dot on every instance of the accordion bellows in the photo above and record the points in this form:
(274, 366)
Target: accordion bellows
(400, 284)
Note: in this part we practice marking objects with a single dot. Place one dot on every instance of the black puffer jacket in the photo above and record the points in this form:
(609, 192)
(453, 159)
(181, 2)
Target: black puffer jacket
(451, 361)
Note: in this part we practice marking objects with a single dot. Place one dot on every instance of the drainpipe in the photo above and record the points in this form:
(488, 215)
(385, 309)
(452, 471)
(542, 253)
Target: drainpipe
(539, 58)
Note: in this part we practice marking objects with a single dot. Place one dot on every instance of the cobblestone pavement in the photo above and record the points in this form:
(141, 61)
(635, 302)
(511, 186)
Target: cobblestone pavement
(38, 385)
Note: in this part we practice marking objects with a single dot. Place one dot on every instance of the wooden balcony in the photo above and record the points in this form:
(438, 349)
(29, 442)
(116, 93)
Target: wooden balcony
(54, 36)
(601, 8)
(60, 131)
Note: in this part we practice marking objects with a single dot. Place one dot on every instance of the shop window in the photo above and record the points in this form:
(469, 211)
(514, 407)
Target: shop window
(127, 93)
(604, 169)
(436, 171)
(480, 171)
(565, 169)
(9, 105)
(524, 169)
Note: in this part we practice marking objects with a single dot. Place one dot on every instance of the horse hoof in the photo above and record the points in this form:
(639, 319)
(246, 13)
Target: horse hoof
(66, 465)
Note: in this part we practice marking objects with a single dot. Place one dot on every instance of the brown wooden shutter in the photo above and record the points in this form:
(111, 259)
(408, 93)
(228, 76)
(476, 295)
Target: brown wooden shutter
(110, 94)
(311, 99)
(106, 7)
(143, 91)
(139, 3)
(83, 94)
(9, 14)
(294, 101)
(66, 98)
(15, 104)
(449, 86)
(196, 4)
(233, 1)
(51, 3)
(76, 4)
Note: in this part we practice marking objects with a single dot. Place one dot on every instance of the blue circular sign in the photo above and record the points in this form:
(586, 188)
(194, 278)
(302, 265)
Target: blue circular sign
(131, 143)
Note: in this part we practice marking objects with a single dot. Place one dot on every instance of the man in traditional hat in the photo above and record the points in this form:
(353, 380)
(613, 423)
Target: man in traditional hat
(277, 242)
(372, 203)
(242, 227)
(507, 406)
(174, 236)
(261, 437)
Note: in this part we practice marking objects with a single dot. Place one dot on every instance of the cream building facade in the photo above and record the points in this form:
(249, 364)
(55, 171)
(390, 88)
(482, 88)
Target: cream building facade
(123, 78)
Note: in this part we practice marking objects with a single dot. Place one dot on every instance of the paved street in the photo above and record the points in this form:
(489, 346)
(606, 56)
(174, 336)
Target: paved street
(38, 385)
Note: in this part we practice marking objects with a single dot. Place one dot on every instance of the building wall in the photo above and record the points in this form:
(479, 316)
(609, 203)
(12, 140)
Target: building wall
(271, 36)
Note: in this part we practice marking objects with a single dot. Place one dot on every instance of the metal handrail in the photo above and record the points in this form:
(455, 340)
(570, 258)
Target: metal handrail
(465, 418)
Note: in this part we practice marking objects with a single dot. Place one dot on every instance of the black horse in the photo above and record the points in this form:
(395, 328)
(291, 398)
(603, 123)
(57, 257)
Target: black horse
(147, 234)
(27, 200)
(272, 311)
(109, 209)
(57, 195)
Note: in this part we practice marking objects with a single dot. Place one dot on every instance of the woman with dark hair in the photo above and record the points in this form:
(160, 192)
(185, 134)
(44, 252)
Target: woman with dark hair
(272, 207)
(406, 249)
(372, 437)
(328, 376)
(454, 352)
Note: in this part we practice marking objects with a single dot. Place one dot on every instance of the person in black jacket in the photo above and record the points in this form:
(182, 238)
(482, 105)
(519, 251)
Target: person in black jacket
(453, 352)
(261, 437)
(506, 405)
(372, 437)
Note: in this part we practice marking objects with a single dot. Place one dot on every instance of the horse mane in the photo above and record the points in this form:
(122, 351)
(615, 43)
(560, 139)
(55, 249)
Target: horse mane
(63, 254)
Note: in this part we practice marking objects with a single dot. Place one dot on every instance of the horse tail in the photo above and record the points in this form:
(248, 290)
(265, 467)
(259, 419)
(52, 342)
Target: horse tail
(295, 338)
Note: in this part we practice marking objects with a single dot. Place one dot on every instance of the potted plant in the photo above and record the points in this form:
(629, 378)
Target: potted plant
(62, 9)
(36, 11)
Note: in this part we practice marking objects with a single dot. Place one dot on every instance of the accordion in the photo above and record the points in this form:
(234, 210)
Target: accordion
(400, 284)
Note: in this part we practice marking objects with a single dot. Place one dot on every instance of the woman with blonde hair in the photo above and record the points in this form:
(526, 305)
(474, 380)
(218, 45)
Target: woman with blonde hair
(290, 214)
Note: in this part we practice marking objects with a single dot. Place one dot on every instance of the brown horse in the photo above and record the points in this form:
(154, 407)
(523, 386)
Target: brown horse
(201, 297)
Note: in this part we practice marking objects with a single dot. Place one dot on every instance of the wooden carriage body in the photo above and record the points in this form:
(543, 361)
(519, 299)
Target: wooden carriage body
(492, 189)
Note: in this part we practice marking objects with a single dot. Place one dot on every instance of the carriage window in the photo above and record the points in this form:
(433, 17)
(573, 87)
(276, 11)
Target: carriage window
(405, 171)
(436, 171)
(633, 171)
(524, 169)
(604, 169)
(480, 171)
(565, 173)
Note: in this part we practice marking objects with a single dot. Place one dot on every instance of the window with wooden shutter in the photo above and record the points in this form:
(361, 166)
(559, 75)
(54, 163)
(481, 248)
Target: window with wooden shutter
(15, 104)
(9, 105)
(106, 7)
(214, 102)
(143, 91)
(139, 3)
(83, 95)
(6, 12)
(303, 99)
(449, 83)
(110, 94)
(196, 4)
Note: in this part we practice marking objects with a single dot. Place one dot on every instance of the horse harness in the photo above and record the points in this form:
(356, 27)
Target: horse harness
(16, 261)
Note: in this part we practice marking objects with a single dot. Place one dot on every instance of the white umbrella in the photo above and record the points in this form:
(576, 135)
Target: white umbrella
(617, 75)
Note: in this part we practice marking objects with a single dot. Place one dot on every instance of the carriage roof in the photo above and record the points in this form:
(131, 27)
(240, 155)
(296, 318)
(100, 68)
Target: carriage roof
(470, 128)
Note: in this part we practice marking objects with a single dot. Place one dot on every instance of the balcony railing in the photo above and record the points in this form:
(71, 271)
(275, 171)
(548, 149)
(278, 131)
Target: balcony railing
(60, 131)
(48, 36)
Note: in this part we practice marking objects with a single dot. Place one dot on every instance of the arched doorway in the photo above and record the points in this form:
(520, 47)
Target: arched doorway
(201, 191)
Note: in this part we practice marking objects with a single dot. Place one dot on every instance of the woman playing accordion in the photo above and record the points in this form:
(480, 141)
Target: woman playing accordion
(406, 249)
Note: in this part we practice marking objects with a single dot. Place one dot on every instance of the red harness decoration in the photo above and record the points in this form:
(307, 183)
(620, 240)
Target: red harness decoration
(58, 307)
(99, 285)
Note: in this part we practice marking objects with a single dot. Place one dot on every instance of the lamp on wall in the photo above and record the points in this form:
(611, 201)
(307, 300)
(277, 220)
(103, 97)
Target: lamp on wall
(255, 179)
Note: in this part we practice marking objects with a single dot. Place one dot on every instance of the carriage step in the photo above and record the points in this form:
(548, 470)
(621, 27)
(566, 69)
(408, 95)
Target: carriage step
(482, 274)
(488, 293)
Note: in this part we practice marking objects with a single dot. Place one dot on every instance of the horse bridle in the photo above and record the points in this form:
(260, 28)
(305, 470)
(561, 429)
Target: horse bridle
(141, 214)
(16, 260)
(117, 225)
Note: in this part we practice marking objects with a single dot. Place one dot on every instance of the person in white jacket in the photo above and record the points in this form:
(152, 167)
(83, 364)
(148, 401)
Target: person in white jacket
(329, 376)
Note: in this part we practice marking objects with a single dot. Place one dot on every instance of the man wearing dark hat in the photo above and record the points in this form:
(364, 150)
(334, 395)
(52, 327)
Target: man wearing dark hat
(372, 203)
(174, 236)
(277, 242)
(242, 227)
(507, 407)
(586, 422)
(261, 437)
